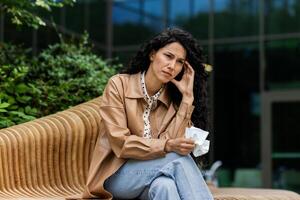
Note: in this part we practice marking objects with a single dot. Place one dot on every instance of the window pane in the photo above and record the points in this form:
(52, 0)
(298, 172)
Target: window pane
(282, 64)
(75, 17)
(236, 18)
(286, 127)
(86, 15)
(154, 11)
(136, 20)
(178, 11)
(97, 20)
(285, 141)
(124, 57)
(236, 119)
(282, 16)
(192, 16)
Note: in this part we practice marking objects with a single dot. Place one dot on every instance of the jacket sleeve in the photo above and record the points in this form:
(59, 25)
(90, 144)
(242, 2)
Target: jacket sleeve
(123, 143)
(178, 124)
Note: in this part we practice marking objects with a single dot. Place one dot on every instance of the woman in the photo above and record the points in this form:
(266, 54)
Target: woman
(141, 151)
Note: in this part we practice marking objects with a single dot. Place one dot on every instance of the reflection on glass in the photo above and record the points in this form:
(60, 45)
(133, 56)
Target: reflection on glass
(154, 9)
(239, 60)
(286, 126)
(282, 62)
(191, 15)
(282, 16)
(134, 22)
(285, 145)
(126, 13)
(236, 18)
(97, 20)
(179, 11)
(201, 6)
(136, 11)
(123, 57)
(236, 69)
(74, 17)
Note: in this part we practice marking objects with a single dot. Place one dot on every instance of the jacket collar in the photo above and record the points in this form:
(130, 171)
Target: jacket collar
(134, 90)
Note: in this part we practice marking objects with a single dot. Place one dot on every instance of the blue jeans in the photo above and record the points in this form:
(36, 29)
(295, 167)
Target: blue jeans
(173, 177)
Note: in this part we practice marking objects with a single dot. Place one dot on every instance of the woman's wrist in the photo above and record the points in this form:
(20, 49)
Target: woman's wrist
(168, 146)
(188, 99)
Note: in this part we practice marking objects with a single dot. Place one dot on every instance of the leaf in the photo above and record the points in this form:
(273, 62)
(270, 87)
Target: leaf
(4, 105)
(23, 99)
(28, 117)
(30, 111)
(19, 114)
(6, 123)
(22, 115)
(42, 4)
(22, 88)
(23, 12)
(13, 107)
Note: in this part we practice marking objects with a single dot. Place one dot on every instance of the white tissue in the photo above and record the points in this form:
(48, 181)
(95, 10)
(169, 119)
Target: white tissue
(199, 136)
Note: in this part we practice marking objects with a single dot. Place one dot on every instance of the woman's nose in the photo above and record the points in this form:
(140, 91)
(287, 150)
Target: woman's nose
(172, 65)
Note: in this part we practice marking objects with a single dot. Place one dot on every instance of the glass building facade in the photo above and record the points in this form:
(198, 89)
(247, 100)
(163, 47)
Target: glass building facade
(253, 45)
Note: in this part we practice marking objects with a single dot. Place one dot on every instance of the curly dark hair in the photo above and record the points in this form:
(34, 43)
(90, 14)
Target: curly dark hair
(194, 55)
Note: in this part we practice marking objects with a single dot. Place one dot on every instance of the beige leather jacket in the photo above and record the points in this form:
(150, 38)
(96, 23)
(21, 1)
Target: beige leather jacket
(121, 131)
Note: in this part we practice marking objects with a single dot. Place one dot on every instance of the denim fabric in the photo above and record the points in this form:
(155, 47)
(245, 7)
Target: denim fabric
(172, 177)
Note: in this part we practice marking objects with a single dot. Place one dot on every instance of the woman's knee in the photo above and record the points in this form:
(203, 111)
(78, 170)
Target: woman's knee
(161, 185)
(179, 159)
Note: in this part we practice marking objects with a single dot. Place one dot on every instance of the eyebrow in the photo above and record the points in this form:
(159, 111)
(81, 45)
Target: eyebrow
(182, 59)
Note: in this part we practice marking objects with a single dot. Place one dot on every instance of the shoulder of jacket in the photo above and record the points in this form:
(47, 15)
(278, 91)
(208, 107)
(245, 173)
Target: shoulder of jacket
(120, 83)
(119, 78)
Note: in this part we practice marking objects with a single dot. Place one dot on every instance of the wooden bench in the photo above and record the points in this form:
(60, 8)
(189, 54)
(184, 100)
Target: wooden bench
(48, 158)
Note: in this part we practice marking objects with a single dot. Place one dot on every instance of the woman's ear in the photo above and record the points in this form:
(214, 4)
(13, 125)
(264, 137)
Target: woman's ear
(151, 55)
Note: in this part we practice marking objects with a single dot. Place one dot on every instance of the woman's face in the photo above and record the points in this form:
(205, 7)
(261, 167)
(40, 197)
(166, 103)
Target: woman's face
(167, 62)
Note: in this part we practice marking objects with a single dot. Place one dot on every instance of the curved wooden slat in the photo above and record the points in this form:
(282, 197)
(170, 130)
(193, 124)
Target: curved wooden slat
(54, 161)
(39, 152)
(13, 165)
(4, 149)
(46, 152)
(62, 168)
(24, 160)
(77, 148)
(71, 139)
(87, 138)
(34, 157)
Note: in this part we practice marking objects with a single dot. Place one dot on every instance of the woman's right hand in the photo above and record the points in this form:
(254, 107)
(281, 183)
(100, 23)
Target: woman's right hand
(182, 146)
(186, 84)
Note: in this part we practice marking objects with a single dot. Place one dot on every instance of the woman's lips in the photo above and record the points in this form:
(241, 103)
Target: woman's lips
(167, 73)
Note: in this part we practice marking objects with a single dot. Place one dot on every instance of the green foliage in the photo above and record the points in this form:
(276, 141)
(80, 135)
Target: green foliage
(25, 12)
(14, 93)
(69, 74)
(63, 75)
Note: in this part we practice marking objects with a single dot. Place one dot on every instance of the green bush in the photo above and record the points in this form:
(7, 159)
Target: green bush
(14, 93)
(63, 75)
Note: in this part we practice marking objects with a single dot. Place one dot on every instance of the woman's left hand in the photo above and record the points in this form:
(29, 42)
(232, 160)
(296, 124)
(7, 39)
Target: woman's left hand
(186, 84)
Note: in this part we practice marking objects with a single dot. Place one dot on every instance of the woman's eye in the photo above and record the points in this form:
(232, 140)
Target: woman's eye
(168, 55)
